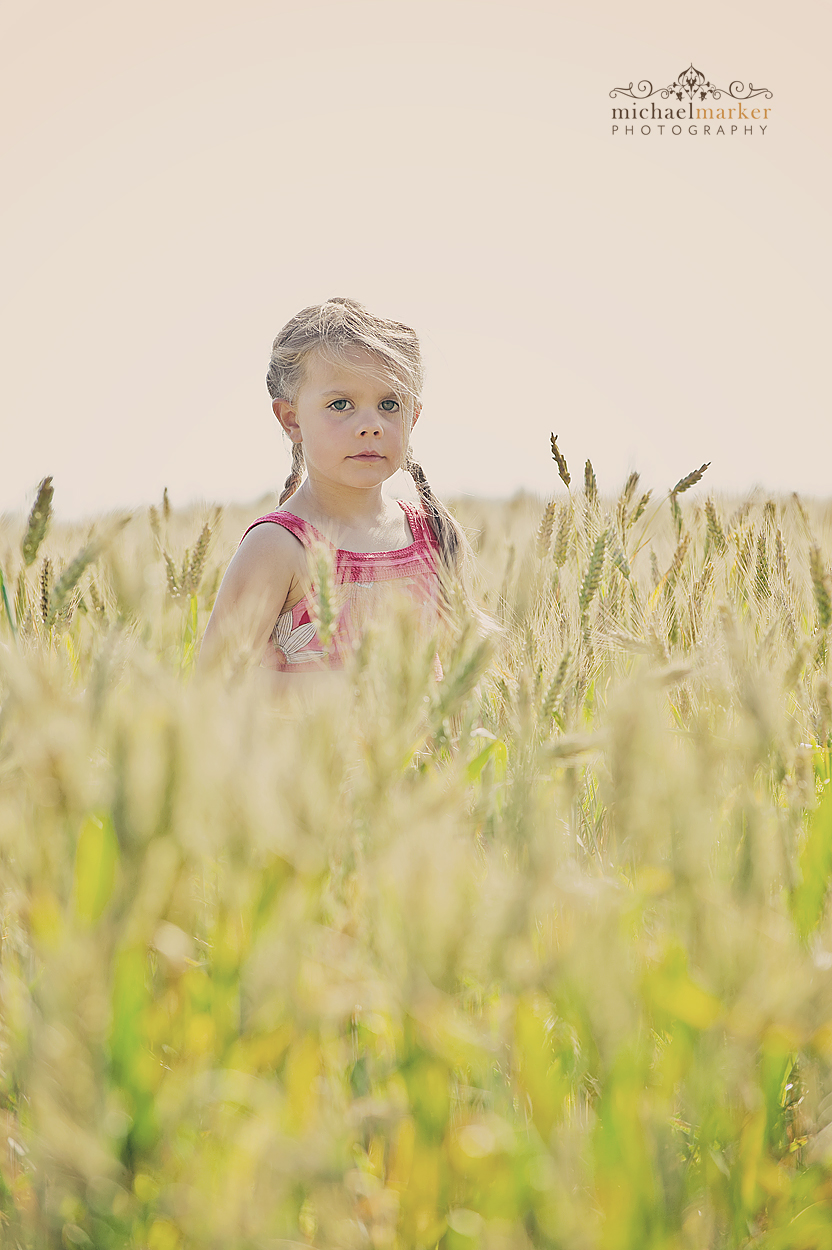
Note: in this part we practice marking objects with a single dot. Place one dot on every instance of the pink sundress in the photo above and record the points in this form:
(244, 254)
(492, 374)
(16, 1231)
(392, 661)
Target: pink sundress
(365, 579)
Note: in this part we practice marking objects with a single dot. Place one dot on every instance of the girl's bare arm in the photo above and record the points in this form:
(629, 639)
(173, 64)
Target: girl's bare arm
(255, 587)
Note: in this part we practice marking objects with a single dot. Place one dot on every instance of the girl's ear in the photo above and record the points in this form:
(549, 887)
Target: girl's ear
(416, 412)
(285, 414)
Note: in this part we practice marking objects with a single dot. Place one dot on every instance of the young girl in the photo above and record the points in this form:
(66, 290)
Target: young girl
(345, 387)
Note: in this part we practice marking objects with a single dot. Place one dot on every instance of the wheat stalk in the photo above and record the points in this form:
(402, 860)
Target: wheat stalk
(592, 577)
(38, 521)
(551, 697)
(821, 588)
(624, 500)
(684, 483)
(638, 511)
(801, 512)
(194, 564)
(45, 587)
(738, 518)
(68, 581)
(199, 557)
(762, 581)
(716, 534)
(544, 534)
(560, 459)
(780, 556)
(690, 479)
(172, 578)
(97, 602)
(629, 489)
(672, 574)
(618, 554)
(22, 598)
(561, 549)
(4, 595)
(590, 484)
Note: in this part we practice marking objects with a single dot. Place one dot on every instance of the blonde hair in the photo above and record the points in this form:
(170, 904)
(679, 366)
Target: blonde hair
(330, 328)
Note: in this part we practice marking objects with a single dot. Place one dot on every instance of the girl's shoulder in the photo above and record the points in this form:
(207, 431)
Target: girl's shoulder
(282, 523)
(264, 543)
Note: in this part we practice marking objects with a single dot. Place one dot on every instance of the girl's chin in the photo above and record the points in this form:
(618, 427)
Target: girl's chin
(372, 468)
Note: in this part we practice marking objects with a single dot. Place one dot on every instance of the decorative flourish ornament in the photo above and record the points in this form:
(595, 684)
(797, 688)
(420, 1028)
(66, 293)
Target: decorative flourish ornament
(691, 82)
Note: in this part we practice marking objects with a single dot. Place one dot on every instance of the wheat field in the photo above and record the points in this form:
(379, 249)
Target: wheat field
(535, 956)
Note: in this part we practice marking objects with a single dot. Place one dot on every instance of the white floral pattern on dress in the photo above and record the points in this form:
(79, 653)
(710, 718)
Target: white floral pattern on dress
(292, 642)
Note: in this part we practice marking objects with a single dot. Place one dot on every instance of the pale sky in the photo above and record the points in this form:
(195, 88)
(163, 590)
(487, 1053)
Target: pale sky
(181, 178)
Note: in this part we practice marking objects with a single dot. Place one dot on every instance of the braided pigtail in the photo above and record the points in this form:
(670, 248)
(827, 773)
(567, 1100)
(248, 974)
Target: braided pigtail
(456, 563)
(446, 530)
(295, 477)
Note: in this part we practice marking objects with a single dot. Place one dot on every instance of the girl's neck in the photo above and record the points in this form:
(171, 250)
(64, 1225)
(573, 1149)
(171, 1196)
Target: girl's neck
(342, 506)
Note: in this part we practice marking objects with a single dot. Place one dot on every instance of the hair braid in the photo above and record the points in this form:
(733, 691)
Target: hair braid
(295, 477)
(456, 557)
(444, 527)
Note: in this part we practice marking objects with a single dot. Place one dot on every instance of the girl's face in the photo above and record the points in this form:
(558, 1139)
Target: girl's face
(349, 420)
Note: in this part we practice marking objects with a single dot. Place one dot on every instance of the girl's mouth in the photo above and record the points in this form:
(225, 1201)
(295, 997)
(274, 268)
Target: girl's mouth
(367, 455)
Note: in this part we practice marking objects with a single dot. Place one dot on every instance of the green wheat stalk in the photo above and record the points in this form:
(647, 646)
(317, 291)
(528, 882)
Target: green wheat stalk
(38, 521)
(9, 613)
(68, 580)
(551, 698)
(592, 577)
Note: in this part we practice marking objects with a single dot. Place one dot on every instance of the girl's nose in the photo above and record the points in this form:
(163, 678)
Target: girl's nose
(370, 424)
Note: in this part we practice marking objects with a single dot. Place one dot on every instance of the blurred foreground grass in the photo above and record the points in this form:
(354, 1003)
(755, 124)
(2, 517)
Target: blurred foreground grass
(537, 957)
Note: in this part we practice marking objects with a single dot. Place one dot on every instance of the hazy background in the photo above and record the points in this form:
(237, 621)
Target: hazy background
(181, 178)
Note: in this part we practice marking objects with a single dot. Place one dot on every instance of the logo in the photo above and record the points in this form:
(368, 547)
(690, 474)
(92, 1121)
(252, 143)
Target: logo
(697, 107)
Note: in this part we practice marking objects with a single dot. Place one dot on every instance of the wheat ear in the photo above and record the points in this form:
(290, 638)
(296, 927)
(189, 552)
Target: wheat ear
(560, 460)
(38, 521)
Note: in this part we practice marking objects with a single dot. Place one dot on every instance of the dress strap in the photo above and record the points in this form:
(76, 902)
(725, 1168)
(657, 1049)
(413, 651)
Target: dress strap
(302, 530)
(419, 527)
(308, 534)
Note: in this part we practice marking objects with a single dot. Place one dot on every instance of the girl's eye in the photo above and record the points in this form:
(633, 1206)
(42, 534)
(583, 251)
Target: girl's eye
(394, 402)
